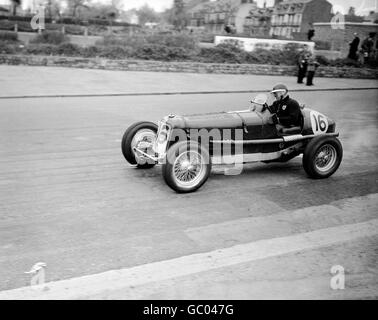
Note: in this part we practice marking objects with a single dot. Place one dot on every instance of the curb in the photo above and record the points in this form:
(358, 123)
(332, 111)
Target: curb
(131, 94)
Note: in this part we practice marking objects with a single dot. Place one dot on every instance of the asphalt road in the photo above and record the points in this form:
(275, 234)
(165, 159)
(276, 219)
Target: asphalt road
(69, 199)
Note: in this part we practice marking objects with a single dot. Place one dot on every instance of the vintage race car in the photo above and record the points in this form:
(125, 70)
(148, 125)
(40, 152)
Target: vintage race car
(187, 146)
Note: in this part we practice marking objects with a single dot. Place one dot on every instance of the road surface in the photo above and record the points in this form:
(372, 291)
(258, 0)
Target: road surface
(69, 199)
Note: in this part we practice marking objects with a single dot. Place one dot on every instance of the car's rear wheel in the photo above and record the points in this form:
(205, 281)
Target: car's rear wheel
(322, 157)
(187, 166)
(140, 135)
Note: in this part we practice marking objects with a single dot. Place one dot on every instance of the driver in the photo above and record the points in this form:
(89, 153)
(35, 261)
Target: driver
(286, 111)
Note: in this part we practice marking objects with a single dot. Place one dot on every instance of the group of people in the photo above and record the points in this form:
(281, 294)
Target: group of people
(307, 66)
(365, 52)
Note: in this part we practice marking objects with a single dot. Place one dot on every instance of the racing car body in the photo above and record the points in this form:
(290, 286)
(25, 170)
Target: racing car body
(187, 146)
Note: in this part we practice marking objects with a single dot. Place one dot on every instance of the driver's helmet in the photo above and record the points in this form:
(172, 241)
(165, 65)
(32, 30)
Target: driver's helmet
(279, 88)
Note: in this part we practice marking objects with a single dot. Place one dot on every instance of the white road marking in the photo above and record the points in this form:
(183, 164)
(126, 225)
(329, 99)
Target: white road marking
(77, 288)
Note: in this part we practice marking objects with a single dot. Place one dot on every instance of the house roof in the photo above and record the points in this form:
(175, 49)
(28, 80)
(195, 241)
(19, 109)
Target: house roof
(260, 12)
(216, 6)
(291, 6)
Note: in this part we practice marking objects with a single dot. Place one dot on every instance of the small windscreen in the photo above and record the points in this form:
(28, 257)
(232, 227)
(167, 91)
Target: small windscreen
(258, 103)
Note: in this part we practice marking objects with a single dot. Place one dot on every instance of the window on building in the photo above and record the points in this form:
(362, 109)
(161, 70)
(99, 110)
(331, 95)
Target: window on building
(288, 33)
(299, 18)
(291, 19)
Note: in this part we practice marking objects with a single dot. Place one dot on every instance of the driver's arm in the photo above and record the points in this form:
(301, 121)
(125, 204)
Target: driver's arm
(273, 108)
(273, 111)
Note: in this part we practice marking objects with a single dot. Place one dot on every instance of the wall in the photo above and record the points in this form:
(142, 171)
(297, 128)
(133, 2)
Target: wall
(192, 67)
(249, 44)
(81, 41)
(329, 54)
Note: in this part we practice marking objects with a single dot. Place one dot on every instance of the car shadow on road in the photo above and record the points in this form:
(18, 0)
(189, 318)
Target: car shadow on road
(291, 168)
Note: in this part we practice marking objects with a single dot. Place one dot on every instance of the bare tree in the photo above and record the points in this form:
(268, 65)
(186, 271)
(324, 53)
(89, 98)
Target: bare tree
(15, 5)
(53, 9)
(179, 14)
(352, 11)
(76, 4)
(147, 14)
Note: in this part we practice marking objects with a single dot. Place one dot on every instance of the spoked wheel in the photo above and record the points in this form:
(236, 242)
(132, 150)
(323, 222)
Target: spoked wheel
(187, 166)
(140, 135)
(322, 157)
(325, 158)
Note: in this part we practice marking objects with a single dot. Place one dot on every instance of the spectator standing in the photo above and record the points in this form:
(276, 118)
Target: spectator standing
(361, 57)
(311, 32)
(311, 69)
(353, 47)
(302, 65)
(367, 47)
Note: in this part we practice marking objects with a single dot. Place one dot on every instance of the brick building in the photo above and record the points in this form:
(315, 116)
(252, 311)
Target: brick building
(340, 37)
(258, 22)
(215, 15)
(293, 18)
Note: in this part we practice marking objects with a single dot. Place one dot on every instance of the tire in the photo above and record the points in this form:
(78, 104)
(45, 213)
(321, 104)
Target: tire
(177, 157)
(127, 141)
(318, 165)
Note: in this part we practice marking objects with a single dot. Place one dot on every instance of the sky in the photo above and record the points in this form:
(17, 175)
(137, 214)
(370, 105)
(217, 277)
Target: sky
(362, 6)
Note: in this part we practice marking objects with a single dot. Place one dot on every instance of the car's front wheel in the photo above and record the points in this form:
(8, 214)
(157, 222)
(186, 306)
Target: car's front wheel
(187, 166)
(322, 157)
(140, 135)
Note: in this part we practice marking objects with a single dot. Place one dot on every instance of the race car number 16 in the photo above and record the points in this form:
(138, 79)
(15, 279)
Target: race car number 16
(319, 123)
